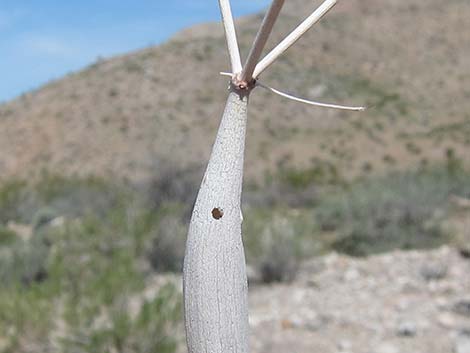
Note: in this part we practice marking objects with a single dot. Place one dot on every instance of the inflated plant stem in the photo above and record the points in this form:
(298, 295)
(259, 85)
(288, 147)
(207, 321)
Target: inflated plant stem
(261, 39)
(214, 275)
(293, 37)
(215, 286)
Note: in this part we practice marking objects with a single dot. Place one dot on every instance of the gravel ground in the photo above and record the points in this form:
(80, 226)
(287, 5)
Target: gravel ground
(400, 302)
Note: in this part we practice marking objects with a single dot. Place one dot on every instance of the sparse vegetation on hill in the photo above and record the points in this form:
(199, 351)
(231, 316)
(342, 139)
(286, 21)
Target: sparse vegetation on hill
(94, 281)
(75, 282)
(84, 277)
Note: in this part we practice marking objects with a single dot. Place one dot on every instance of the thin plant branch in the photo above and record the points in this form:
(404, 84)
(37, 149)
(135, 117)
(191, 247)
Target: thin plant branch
(301, 100)
(293, 37)
(310, 102)
(231, 35)
(261, 39)
(226, 74)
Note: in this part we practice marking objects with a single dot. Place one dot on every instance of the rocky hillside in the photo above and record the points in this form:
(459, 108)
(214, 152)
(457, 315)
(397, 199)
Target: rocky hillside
(129, 115)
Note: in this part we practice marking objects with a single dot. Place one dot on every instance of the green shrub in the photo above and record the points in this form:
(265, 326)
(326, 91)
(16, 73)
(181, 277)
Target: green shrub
(24, 262)
(453, 163)
(106, 275)
(11, 195)
(171, 184)
(167, 249)
(84, 276)
(43, 217)
(73, 197)
(151, 330)
(279, 259)
(321, 172)
(276, 240)
(7, 237)
(397, 211)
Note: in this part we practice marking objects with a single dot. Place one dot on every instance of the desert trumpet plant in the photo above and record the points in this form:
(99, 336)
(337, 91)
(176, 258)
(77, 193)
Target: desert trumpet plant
(214, 275)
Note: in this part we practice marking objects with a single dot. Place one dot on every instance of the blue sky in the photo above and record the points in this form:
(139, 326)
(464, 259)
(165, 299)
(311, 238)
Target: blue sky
(41, 40)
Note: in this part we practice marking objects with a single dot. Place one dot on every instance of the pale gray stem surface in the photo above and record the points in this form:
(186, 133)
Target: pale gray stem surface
(261, 39)
(214, 275)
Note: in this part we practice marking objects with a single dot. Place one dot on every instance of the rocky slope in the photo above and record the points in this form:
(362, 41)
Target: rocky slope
(401, 302)
(129, 115)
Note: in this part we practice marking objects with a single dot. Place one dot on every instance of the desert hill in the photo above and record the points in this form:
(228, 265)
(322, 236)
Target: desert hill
(128, 115)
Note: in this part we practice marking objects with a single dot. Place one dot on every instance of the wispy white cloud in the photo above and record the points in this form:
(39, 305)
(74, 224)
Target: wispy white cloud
(45, 45)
